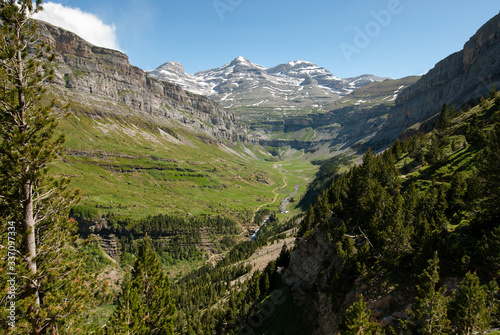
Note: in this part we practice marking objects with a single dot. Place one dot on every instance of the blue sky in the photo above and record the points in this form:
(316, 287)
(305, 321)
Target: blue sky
(392, 38)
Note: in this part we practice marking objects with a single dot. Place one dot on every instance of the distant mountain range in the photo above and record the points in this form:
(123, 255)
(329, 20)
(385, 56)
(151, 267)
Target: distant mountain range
(241, 83)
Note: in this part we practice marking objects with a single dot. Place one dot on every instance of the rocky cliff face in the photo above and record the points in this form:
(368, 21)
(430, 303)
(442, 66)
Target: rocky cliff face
(459, 79)
(84, 69)
(338, 129)
(309, 263)
(351, 122)
(309, 275)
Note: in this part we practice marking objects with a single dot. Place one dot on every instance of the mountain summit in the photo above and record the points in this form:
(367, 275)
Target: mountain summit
(174, 71)
(241, 83)
(242, 61)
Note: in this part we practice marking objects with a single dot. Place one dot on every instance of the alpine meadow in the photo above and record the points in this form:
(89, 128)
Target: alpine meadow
(244, 199)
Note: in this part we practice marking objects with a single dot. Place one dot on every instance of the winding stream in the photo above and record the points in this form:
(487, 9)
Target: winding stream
(285, 202)
(283, 207)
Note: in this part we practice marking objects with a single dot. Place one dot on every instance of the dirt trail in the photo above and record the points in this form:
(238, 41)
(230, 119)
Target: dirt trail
(275, 191)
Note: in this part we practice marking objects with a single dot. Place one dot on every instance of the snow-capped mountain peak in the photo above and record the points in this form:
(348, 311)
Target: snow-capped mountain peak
(240, 82)
(362, 80)
(174, 72)
(299, 62)
(175, 66)
(306, 70)
(242, 61)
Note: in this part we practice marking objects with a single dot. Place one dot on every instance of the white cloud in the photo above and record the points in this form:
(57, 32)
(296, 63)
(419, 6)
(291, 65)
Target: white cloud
(86, 25)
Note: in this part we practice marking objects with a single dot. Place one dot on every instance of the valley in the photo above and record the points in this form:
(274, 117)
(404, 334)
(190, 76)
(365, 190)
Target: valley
(253, 200)
(232, 182)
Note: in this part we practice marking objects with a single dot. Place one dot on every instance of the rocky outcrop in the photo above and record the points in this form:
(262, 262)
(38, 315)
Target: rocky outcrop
(110, 244)
(102, 234)
(306, 277)
(342, 128)
(350, 123)
(87, 70)
(312, 265)
(459, 79)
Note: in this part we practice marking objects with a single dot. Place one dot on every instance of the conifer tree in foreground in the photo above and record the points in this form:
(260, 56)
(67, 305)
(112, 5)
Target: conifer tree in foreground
(144, 305)
(444, 117)
(470, 310)
(489, 175)
(357, 320)
(48, 289)
(429, 312)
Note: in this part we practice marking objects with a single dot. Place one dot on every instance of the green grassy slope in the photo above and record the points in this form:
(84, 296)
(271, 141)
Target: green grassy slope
(134, 168)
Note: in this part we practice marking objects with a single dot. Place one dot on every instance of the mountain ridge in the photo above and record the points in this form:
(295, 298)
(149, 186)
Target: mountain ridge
(460, 79)
(85, 70)
(241, 83)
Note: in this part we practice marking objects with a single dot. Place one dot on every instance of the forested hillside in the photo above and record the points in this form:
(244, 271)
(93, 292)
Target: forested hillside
(423, 214)
(409, 239)
(406, 242)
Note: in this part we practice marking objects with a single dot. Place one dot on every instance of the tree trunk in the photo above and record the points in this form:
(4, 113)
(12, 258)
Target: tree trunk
(28, 215)
(30, 239)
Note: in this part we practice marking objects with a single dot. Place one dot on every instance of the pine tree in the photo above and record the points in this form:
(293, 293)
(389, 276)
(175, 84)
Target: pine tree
(253, 290)
(397, 149)
(493, 92)
(283, 259)
(489, 248)
(322, 208)
(469, 310)
(443, 121)
(307, 223)
(264, 283)
(429, 312)
(457, 192)
(435, 154)
(396, 234)
(144, 305)
(489, 175)
(357, 320)
(493, 305)
(53, 290)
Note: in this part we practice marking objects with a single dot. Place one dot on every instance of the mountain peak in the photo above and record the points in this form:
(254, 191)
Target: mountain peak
(242, 61)
(172, 66)
(300, 63)
(242, 83)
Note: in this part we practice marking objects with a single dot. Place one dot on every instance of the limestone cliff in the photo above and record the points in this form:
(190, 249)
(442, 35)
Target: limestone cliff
(313, 265)
(459, 79)
(85, 70)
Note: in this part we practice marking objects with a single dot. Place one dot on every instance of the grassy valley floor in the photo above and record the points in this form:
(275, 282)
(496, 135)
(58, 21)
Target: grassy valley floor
(135, 170)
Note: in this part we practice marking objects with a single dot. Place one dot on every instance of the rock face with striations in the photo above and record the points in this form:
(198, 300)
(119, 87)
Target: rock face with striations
(87, 70)
(459, 79)
(313, 265)
(306, 276)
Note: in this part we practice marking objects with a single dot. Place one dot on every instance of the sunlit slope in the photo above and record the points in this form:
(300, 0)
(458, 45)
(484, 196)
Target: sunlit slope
(131, 166)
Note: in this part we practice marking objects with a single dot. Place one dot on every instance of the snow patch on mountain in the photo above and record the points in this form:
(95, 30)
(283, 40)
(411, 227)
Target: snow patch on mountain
(243, 83)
